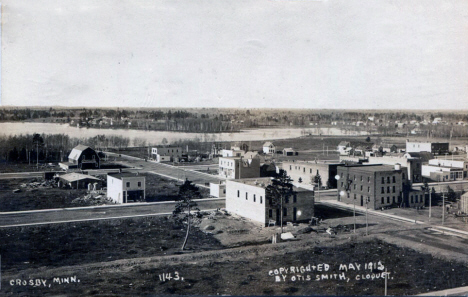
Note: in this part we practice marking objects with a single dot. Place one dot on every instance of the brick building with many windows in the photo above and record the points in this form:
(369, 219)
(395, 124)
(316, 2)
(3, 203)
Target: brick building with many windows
(380, 185)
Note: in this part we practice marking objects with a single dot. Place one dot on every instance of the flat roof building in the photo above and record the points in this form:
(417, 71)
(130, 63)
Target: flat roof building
(125, 187)
(249, 198)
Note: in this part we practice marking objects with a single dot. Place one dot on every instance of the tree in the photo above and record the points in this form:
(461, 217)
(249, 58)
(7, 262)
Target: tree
(368, 139)
(451, 195)
(183, 209)
(299, 180)
(37, 140)
(279, 191)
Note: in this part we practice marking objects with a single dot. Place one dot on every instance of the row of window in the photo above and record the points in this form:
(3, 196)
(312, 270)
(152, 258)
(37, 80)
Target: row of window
(388, 190)
(128, 184)
(299, 168)
(415, 198)
(286, 199)
(382, 200)
(285, 212)
(247, 197)
(388, 179)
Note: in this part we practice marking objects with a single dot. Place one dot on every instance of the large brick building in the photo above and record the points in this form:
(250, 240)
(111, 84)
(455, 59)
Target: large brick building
(248, 198)
(382, 185)
(305, 171)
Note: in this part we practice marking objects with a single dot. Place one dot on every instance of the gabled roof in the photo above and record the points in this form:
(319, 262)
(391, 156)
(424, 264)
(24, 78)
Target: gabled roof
(344, 143)
(268, 143)
(76, 151)
(288, 149)
(72, 177)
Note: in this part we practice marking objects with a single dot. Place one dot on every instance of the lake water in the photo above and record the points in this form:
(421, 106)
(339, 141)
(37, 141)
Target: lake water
(155, 137)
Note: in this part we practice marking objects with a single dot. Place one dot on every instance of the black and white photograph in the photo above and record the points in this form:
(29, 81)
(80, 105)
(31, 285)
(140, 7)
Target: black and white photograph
(246, 148)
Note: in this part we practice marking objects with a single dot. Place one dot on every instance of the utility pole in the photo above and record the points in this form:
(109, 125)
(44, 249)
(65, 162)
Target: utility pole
(443, 208)
(367, 224)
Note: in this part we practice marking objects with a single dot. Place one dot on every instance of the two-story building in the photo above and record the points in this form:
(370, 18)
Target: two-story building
(436, 148)
(380, 185)
(239, 167)
(306, 171)
(123, 187)
(166, 154)
(249, 198)
(269, 148)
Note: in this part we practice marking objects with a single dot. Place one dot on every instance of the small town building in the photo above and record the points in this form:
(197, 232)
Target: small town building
(380, 185)
(239, 167)
(123, 187)
(289, 152)
(269, 148)
(249, 198)
(218, 190)
(79, 181)
(83, 157)
(344, 148)
(463, 204)
(442, 173)
(166, 154)
(437, 148)
(306, 171)
(232, 153)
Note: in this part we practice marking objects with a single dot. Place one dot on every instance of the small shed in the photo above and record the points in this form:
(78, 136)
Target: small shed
(79, 181)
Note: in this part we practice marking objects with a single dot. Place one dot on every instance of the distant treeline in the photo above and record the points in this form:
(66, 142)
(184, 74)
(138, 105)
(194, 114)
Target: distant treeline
(53, 147)
(214, 120)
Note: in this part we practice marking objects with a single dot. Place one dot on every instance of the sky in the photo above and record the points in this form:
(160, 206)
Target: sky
(351, 54)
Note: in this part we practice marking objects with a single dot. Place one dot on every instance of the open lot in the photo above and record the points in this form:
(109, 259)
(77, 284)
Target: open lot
(228, 255)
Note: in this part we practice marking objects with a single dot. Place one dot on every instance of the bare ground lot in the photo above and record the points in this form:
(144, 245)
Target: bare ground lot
(157, 189)
(234, 257)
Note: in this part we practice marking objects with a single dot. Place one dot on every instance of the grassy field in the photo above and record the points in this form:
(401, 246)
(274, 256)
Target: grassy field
(98, 241)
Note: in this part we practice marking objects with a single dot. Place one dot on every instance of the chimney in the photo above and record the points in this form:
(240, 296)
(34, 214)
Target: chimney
(397, 166)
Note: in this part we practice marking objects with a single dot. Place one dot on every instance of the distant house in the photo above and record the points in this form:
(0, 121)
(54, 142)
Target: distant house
(125, 187)
(82, 157)
(289, 152)
(344, 147)
(269, 148)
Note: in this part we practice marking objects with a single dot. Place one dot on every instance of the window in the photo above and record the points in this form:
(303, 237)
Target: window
(361, 187)
(139, 184)
(383, 179)
(341, 184)
(383, 201)
(368, 179)
(368, 189)
(311, 170)
(393, 189)
(388, 199)
(246, 196)
(393, 198)
(254, 198)
(361, 177)
(388, 189)
(383, 190)
(304, 169)
(394, 179)
(354, 177)
(290, 167)
(354, 186)
(388, 179)
(286, 199)
(270, 213)
(128, 184)
(294, 198)
(285, 212)
(261, 199)
(412, 199)
(238, 193)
